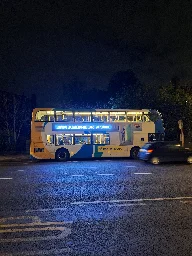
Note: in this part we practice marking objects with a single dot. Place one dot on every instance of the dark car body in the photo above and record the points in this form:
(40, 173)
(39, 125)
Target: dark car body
(161, 151)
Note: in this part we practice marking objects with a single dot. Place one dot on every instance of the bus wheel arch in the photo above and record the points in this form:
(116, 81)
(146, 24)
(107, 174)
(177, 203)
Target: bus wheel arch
(134, 152)
(62, 155)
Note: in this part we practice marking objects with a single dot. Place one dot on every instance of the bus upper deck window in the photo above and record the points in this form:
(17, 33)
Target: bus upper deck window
(145, 117)
(130, 118)
(139, 118)
(64, 116)
(44, 116)
(100, 116)
(82, 116)
(117, 116)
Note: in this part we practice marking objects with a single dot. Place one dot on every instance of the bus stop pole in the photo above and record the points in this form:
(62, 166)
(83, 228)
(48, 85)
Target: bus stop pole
(180, 123)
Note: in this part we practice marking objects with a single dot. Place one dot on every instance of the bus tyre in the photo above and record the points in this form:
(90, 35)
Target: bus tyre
(62, 155)
(134, 152)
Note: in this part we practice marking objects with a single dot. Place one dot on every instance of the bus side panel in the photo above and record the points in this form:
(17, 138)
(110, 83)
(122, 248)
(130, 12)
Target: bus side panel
(111, 151)
(38, 149)
(85, 151)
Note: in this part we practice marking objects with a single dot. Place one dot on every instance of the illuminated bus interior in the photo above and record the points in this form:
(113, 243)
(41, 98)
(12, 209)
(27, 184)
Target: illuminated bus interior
(91, 116)
(76, 139)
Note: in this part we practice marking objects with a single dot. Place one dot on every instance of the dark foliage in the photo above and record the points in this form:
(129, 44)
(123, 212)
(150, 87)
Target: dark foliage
(15, 118)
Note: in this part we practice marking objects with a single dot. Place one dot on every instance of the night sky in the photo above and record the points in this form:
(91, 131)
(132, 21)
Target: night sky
(45, 44)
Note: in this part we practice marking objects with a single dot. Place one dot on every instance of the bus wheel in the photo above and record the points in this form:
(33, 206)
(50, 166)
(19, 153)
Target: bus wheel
(62, 155)
(134, 152)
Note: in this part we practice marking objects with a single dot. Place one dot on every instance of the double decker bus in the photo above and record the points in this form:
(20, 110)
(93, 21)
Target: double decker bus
(71, 134)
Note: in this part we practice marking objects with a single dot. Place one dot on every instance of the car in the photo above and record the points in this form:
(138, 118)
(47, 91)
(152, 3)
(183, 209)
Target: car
(161, 151)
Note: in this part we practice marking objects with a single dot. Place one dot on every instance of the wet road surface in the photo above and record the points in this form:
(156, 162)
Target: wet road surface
(105, 207)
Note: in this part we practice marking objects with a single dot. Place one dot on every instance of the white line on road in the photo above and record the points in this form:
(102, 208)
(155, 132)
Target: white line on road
(131, 200)
(6, 178)
(78, 175)
(89, 167)
(33, 218)
(42, 252)
(65, 233)
(31, 229)
(105, 174)
(141, 173)
(116, 202)
(122, 205)
(31, 224)
(20, 170)
(186, 202)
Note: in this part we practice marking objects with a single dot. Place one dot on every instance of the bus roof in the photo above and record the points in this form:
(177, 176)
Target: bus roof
(92, 110)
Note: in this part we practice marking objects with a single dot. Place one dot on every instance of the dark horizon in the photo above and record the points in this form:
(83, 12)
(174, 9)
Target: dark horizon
(47, 44)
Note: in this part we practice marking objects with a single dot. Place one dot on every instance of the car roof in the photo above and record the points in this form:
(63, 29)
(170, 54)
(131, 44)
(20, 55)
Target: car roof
(163, 142)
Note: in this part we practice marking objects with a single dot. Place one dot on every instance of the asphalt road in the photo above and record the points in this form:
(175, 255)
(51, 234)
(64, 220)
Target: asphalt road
(108, 207)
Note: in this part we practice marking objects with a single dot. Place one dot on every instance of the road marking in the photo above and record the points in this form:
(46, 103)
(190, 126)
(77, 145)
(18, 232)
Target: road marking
(89, 167)
(131, 200)
(42, 252)
(33, 218)
(116, 203)
(20, 170)
(35, 226)
(122, 205)
(31, 224)
(31, 229)
(6, 178)
(78, 175)
(66, 232)
(141, 173)
(186, 202)
(105, 174)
